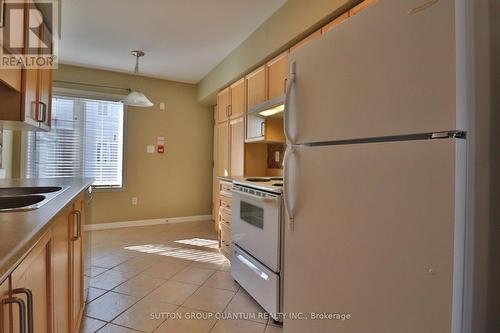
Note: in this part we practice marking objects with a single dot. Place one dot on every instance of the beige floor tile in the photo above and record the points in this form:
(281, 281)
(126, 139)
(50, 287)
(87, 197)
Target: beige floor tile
(238, 326)
(274, 329)
(110, 328)
(209, 299)
(110, 305)
(139, 286)
(145, 315)
(163, 270)
(193, 275)
(94, 271)
(222, 280)
(110, 279)
(90, 325)
(173, 292)
(110, 261)
(191, 321)
(242, 302)
(135, 265)
(94, 293)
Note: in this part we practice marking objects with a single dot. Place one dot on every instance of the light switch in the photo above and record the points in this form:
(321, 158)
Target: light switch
(277, 156)
(162, 106)
(151, 149)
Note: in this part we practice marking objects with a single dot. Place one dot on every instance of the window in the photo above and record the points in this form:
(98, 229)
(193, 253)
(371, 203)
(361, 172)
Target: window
(86, 140)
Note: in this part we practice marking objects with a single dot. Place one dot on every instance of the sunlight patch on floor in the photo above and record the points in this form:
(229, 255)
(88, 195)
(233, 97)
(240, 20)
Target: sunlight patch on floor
(180, 253)
(210, 243)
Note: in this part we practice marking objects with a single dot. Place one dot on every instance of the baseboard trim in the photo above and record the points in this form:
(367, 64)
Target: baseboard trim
(143, 223)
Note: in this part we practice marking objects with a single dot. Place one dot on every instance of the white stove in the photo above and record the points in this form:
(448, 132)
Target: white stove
(256, 235)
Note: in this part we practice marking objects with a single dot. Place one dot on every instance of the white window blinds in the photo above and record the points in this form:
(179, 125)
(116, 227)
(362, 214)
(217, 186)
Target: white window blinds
(86, 140)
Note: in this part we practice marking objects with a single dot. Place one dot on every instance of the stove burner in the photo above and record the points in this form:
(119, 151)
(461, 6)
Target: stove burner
(257, 179)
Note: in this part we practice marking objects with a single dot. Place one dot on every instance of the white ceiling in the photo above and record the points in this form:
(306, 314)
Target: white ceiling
(183, 39)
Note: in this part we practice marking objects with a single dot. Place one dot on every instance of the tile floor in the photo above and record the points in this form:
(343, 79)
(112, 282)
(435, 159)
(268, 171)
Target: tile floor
(166, 279)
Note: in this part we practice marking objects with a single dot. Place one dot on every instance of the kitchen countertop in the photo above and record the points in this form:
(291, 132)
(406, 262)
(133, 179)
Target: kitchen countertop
(21, 230)
(226, 179)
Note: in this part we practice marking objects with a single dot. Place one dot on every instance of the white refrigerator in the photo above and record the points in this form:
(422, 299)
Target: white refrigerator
(375, 173)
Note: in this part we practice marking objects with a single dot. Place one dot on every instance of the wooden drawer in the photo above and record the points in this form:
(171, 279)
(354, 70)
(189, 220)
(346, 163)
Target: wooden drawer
(225, 204)
(225, 188)
(225, 218)
(225, 235)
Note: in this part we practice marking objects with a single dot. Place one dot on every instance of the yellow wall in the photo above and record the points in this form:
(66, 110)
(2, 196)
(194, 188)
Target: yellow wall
(289, 24)
(177, 183)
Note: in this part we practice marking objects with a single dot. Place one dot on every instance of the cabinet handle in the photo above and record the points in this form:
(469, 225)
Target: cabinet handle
(41, 112)
(285, 82)
(22, 311)
(78, 215)
(29, 298)
(230, 108)
(262, 128)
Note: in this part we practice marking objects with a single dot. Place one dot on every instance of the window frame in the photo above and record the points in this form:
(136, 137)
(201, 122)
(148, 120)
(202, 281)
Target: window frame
(64, 92)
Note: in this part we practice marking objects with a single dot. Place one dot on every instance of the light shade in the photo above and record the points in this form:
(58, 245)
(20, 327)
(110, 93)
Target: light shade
(138, 99)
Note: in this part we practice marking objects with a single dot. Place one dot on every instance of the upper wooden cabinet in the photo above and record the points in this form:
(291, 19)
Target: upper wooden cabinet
(362, 6)
(335, 22)
(237, 98)
(277, 73)
(223, 105)
(256, 87)
(27, 100)
(306, 40)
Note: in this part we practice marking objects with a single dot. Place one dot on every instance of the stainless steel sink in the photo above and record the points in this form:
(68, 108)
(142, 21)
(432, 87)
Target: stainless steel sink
(21, 201)
(11, 191)
(27, 198)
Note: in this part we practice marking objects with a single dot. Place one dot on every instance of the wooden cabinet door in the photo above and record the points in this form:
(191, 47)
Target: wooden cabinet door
(362, 6)
(256, 87)
(222, 151)
(61, 238)
(306, 40)
(237, 147)
(30, 77)
(335, 22)
(34, 276)
(45, 86)
(77, 255)
(223, 105)
(277, 73)
(4, 308)
(237, 95)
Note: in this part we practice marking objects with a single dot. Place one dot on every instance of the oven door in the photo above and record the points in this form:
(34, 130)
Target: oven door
(256, 226)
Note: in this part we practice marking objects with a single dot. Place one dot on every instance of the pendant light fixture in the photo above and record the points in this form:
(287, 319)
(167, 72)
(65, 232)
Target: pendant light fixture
(136, 98)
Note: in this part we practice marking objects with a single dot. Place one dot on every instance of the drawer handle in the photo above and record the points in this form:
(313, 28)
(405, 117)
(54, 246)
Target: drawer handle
(254, 268)
(29, 298)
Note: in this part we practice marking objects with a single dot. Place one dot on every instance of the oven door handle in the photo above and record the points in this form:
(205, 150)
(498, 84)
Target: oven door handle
(256, 197)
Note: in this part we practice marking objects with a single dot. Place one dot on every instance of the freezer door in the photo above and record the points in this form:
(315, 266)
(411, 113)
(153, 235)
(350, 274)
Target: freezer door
(390, 70)
(378, 236)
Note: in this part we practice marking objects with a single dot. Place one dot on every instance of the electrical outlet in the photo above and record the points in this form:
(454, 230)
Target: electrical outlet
(151, 149)
(134, 201)
(162, 106)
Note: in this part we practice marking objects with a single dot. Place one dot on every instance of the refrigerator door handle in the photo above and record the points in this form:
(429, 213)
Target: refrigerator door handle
(287, 115)
(287, 195)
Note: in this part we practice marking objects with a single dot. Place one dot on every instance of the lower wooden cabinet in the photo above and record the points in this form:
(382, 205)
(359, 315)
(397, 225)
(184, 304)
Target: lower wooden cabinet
(32, 282)
(77, 257)
(44, 293)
